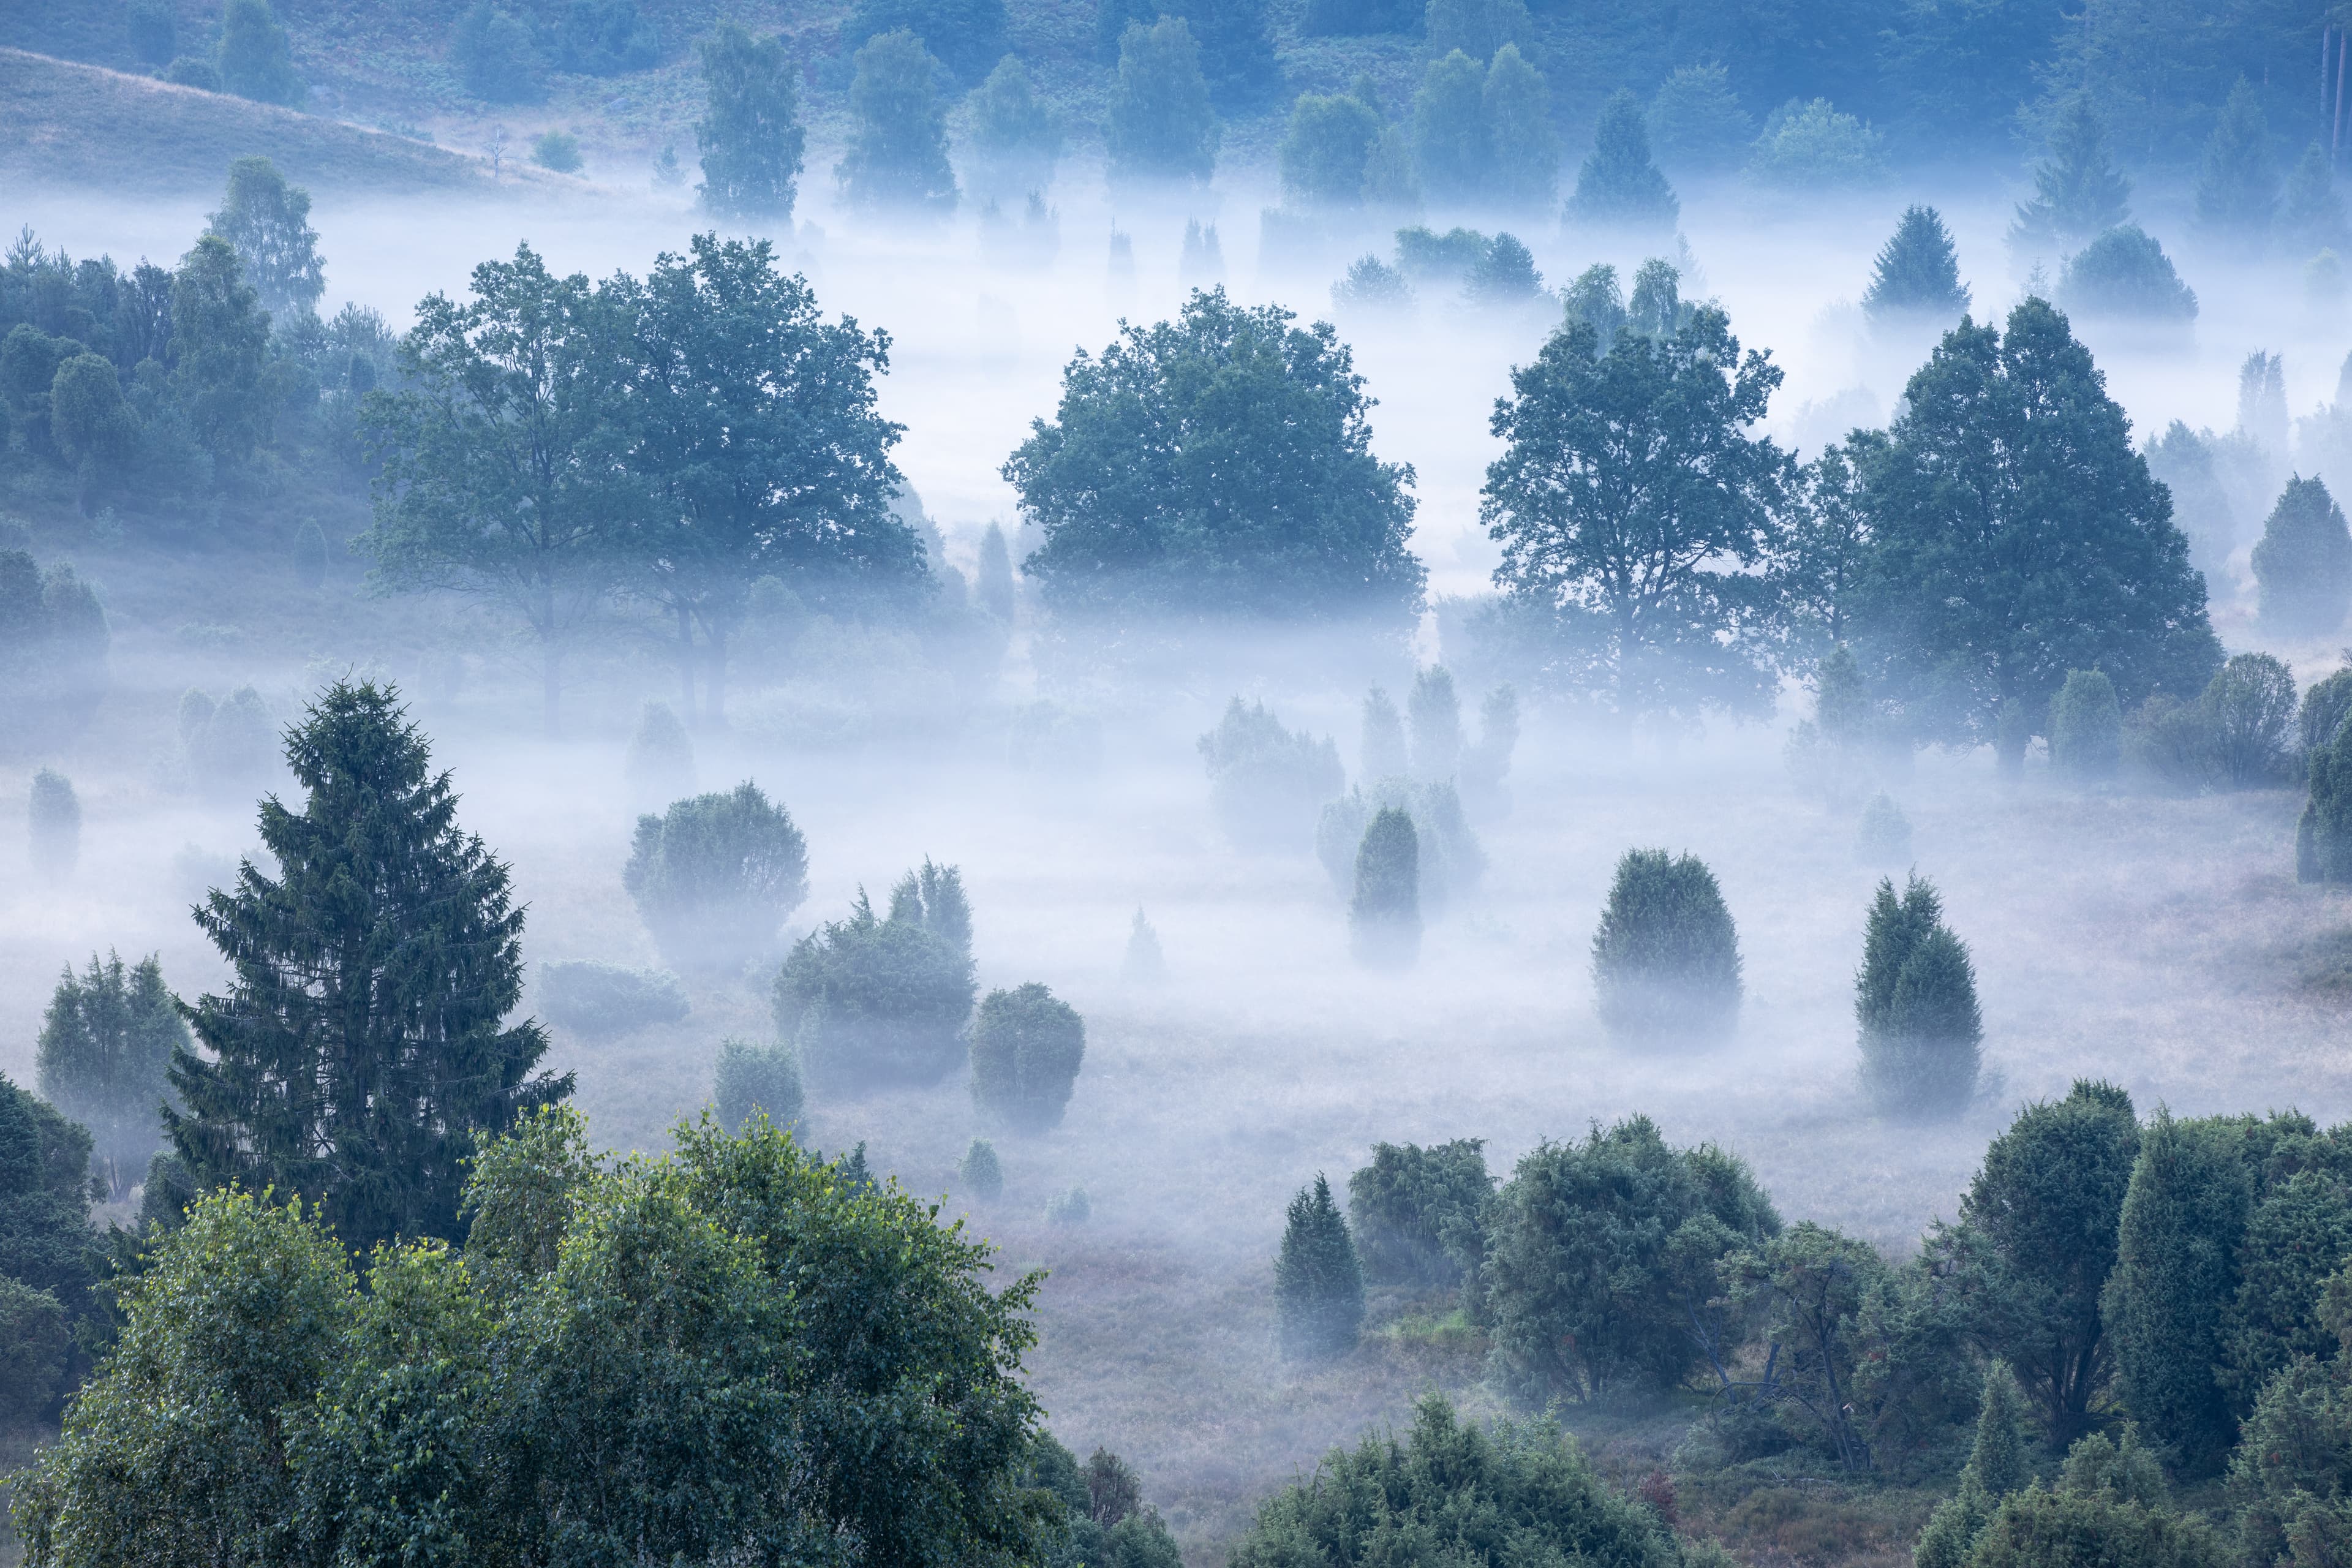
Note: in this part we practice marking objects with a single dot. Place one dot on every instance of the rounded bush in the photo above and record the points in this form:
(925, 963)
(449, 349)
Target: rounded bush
(754, 1078)
(980, 1171)
(54, 822)
(1027, 1049)
(1665, 960)
(2086, 728)
(715, 875)
(1070, 1207)
(601, 999)
(2125, 273)
(871, 1001)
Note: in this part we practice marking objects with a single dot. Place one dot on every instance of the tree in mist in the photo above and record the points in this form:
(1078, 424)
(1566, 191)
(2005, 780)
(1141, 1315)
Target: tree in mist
(713, 878)
(1318, 1286)
(1595, 298)
(2078, 192)
(897, 153)
(980, 1172)
(1504, 276)
(1452, 151)
(749, 132)
(1696, 122)
(1515, 104)
(1217, 467)
(1144, 962)
(1385, 915)
(2311, 213)
(220, 341)
(1326, 149)
(106, 1040)
(1417, 1213)
(1436, 717)
(660, 764)
(2015, 535)
(2322, 835)
(2263, 417)
(1237, 58)
(1603, 1270)
(1383, 754)
(2303, 564)
(2325, 704)
(881, 1000)
(607, 37)
(751, 1078)
(53, 825)
(255, 60)
(2298, 1236)
(53, 653)
(1882, 835)
(2294, 1443)
(359, 1048)
(1487, 766)
(48, 1251)
(1617, 184)
(1027, 1046)
(1915, 999)
(1266, 781)
(2086, 728)
(1632, 501)
(2125, 275)
(268, 222)
(601, 1000)
(2182, 461)
(1449, 859)
(968, 36)
(994, 583)
(1833, 753)
(1666, 958)
(495, 54)
(2237, 183)
(91, 425)
(1160, 127)
(1477, 28)
(1016, 139)
(2250, 708)
(1917, 274)
(1371, 285)
(229, 748)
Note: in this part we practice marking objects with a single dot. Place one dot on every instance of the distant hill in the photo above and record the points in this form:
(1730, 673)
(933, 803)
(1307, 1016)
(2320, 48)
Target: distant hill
(67, 124)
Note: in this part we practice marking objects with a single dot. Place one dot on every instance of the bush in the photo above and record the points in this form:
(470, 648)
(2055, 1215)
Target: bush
(1266, 782)
(106, 1040)
(1371, 285)
(2125, 275)
(46, 1241)
(660, 764)
(2171, 742)
(2250, 707)
(1811, 146)
(2303, 568)
(1384, 917)
(52, 645)
(494, 53)
(754, 1078)
(556, 150)
(2086, 728)
(1506, 274)
(1027, 1049)
(54, 825)
(1666, 960)
(193, 70)
(1883, 837)
(599, 1000)
(1318, 1286)
(1416, 1212)
(1440, 257)
(872, 1000)
(968, 36)
(1070, 1207)
(714, 877)
(1144, 964)
(1916, 1001)
(1449, 861)
(607, 37)
(980, 1171)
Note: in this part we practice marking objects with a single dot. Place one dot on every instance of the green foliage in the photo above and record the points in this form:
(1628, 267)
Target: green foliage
(2325, 702)
(756, 1079)
(1424, 254)
(1998, 1462)
(89, 423)
(897, 153)
(1218, 466)
(1618, 184)
(1318, 1286)
(1446, 851)
(749, 132)
(1515, 105)
(2184, 462)
(558, 151)
(155, 31)
(1326, 148)
(1027, 1046)
(2302, 566)
(874, 1001)
(1144, 963)
(1917, 272)
(193, 70)
(1264, 782)
(2078, 192)
(1237, 57)
(1696, 122)
(495, 55)
(268, 222)
(1015, 141)
(606, 37)
(2249, 712)
(713, 877)
(1665, 959)
(2125, 275)
(596, 1000)
(2288, 1479)
(1916, 1001)
(2086, 728)
(1601, 1274)
(1418, 1214)
(980, 1171)
(1383, 754)
(968, 36)
(2299, 1234)
(2238, 185)
(53, 825)
(48, 1245)
(106, 1040)
(2324, 833)
(2066, 1528)
(1325, 18)
(36, 1337)
(2311, 214)
(220, 339)
(1809, 146)
(1384, 916)
(255, 58)
(375, 969)
(1160, 127)
(1068, 1207)
(1506, 274)
(1452, 149)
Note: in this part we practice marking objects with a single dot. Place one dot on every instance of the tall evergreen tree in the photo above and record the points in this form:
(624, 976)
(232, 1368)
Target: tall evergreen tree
(994, 584)
(1917, 274)
(2238, 185)
(268, 222)
(1997, 1466)
(1618, 184)
(2302, 566)
(1517, 106)
(1916, 1001)
(106, 1043)
(2078, 192)
(1318, 1285)
(749, 132)
(1435, 712)
(361, 1047)
(1384, 917)
(898, 142)
(1160, 125)
(1452, 151)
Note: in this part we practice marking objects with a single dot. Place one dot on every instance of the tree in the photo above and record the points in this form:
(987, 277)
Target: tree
(2250, 703)
(1665, 959)
(1417, 1214)
(1016, 139)
(2298, 1236)
(494, 51)
(1451, 151)
(756, 1079)
(556, 151)
(1811, 146)
(879, 1001)
(2286, 1477)
(2323, 837)
(2311, 214)
(53, 825)
(2302, 564)
(1917, 274)
(2078, 192)
(1506, 274)
(268, 222)
(1264, 781)
(2183, 462)
(255, 60)
(1318, 1286)
(94, 429)
(360, 1047)
(1269, 503)
(2079, 1527)
(1326, 17)
(1237, 58)
(607, 37)
(1515, 105)
(47, 1245)
(660, 764)
(307, 557)
(1631, 500)
(897, 153)
(2016, 535)
(1916, 1001)
(220, 340)
(1383, 754)
(1326, 148)
(2086, 728)
(1447, 855)
(1476, 27)
(1696, 122)
(107, 1040)
(1436, 715)
(968, 36)
(1384, 916)
(715, 875)
(1144, 963)
(749, 132)
(2237, 185)
(1027, 1046)
(1618, 184)
(154, 32)
(980, 1171)
(1371, 285)
(601, 1000)
(995, 584)
(1160, 127)
(2124, 274)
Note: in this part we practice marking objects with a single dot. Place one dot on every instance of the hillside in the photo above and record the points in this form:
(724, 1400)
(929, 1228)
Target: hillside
(65, 123)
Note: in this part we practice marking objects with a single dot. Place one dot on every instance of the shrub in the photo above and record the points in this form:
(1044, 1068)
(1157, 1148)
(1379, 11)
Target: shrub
(2250, 708)
(1266, 782)
(2039, 1528)
(1070, 1207)
(106, 1039)
(1449, 861)
(602, 999)
(2303, 568)
(556, 150)
(2299, 1235)
(1144, 964)
(873, 1001)
(2125, 275)
(54, 823)
(755, 1078)
(494, 54)
(193, 70)
(155, 31)
(46, 1242)
(2086, 728)
(1318, 1286)
(980, 1171)
(1416, 1212)
(660, 764)
(1026, 1047)
(1441, 257)
(714, 877)
(1916, 1001)
(1809, 146)
(1883, 837)
(1665, 959)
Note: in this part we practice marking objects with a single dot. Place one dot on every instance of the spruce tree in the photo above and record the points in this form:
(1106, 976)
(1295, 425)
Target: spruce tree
(1383, 755)
(1618, 186)
(1517, 106)
(1450, 149)
(53, 825)
(1161, 126)
(1318, 1286)
(2302, 566)
(2311, 214)
(106, 1042)
(1436, 717)
(1384, 917)
(1917, 274)
(2086, 728)
(897, 156)
(2237, 185)
(1665, 959)
(749, 132)
(2078, 192)
(1916, 1003)
(360, 1049)
(1145, 963)
(1027, 1046)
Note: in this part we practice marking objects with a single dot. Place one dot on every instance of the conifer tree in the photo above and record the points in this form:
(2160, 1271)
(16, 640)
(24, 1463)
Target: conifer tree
(1161, 126)
(2086, 728)
(1997, 1467)
(2302, 566)
(1027, 1046)
(1883, 835)
(268, 222)
(1506, 274)
(1618, 184)
(1487, 766)
(2184, 462)
(1436, 716)
(981, 1172)
(898, 142)
(1383, 755)
(2078, 192)
(749, 132)
(256, 59)
(360, 1049)
(1517, 106)
(995, 581)
(53, 825)
(1916, 1001)
(1696, 124)
(105, 1045)
(1318, 1286)
(1665, 959)
(2237, 185)
(1384, 917)
(1145, 963)
(713, 877)
(2323, 836)
(1917, 274)
(2311, 214)
(1452, 151)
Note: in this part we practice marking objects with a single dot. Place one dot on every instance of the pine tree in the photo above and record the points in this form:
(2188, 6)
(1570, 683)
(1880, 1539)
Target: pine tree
(2086, 728)
(1383, 754)
(1451, 151)
(53, 825)
(898, 142)
(749, 132)
(981, 1172)
(1916, 1003)
(1145, 963)
(2303, 568)
(309, 556)
(1318, 1286)
(268, 222)
(995, 584)
(1516, 105)
(1027, 1046)
(256, 59)
(360, 1049)
(1384, 917)
(1618, 186)
(1161, 126)
(2311, 214)
(1436, 717)
(2237, 187)
(106, 1041)
(1917, 273)
(1665, 959)
(2078, 192)
(1999, 1462)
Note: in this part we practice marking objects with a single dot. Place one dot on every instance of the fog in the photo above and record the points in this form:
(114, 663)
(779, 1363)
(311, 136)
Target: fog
(2159, 942)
